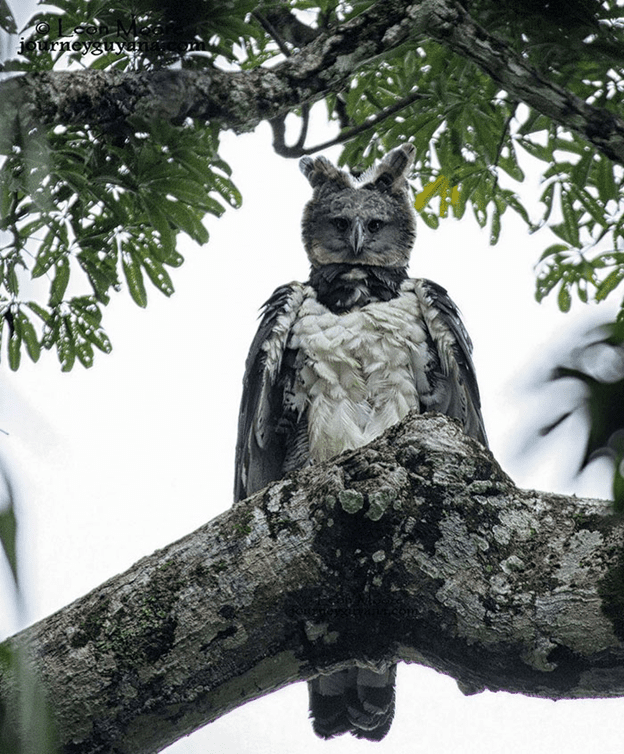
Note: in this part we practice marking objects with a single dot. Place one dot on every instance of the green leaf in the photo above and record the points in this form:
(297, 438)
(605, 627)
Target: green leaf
(65, 345)
(158, 275)
(538, 151)
(590, 204)
(82, 347)
(605, 182)
(27, 333)
(564, 299)
(570, 220)
(510, 165)
(134, 278)
(42, 313)
(87, 317)
(534, 123)
(14, 350)
(581, 290)
(610, 283)
(99, 338)
(561, 230)
(580, 172)
(60, 282)
(227, 189)
(186, 220)
(160, 222)
(495, 227)
(512, 201)
(555, 248)
(102, 273)
(11, 279)
(8, 537)
(48, 255)
(430, 218)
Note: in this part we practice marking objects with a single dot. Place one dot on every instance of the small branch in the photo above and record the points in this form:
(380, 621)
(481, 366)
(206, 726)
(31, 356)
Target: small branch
(272, 31)
(278, 126)
(501, 141)
(505, 130)
(354, 131)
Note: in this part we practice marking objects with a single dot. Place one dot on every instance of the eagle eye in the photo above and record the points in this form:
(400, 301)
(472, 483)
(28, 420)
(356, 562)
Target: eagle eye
(341, 224)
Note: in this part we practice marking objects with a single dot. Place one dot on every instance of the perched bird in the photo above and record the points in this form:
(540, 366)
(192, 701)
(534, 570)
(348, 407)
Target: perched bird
(342, 357)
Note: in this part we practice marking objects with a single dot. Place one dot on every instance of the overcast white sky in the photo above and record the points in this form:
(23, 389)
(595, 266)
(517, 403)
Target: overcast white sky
(117, 461)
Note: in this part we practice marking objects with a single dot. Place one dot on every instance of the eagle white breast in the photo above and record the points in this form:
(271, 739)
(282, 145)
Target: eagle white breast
(359, 372)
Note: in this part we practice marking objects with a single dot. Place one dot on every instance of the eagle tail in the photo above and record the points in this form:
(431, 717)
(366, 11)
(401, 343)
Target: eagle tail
(357, 700)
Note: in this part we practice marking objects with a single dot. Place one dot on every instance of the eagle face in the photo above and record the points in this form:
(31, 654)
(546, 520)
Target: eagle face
(366, 221)
(358, 226)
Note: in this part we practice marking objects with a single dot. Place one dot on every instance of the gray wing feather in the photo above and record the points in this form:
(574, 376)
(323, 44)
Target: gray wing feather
(455, 389)
(264, 423)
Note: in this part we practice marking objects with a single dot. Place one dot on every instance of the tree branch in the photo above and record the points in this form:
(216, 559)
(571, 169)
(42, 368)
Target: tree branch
(278, 126)
(449, 23)
(416, 548)
(238, 100)
(272, 31)
(350, 133)
(241, 100)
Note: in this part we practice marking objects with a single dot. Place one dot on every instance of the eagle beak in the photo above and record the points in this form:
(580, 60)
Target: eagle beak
(356, 239)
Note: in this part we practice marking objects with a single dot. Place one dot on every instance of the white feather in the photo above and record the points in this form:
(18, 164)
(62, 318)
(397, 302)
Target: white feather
(362, 371)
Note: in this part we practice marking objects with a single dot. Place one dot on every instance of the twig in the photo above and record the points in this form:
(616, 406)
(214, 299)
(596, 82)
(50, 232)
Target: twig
(299, 151)
(278, 126)
(272, 31)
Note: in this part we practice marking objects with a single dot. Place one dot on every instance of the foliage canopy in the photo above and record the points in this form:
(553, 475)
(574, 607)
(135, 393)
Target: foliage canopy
(86, 211)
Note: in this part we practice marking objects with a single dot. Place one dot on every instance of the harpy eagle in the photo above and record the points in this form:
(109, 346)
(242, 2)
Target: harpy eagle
(342, 357)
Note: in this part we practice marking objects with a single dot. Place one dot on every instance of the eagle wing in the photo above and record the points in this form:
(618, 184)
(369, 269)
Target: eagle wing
(454, 388)
(270, 429)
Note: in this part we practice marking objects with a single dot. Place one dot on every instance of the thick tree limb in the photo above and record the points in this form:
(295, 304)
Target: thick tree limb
(416, 548)
(235, 100)
(241, 100)
(450, 24)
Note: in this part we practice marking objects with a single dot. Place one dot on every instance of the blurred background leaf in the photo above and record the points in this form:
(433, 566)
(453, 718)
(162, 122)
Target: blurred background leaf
(599, 369)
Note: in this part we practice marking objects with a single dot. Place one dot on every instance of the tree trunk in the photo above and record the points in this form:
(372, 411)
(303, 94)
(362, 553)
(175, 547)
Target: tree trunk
(416, 547)
(240, 100)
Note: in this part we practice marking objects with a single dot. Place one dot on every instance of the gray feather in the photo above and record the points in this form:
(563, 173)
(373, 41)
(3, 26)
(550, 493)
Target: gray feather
(263, 437)
(456, 392)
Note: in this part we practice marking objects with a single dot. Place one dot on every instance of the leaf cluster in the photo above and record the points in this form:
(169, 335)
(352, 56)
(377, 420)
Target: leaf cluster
(84, 215)
(471, 136)
(460, 125)
(566, 39)
(581, 202)
(138, 35)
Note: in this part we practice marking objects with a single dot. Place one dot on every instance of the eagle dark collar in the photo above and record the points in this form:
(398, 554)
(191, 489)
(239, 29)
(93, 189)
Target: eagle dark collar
(342, 287)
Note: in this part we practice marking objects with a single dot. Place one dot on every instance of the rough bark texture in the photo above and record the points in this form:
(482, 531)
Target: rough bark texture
(241, 100)
(416, 548)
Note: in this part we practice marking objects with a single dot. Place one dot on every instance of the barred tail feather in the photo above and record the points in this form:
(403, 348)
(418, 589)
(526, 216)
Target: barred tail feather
(357, 700)
(328, 704)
